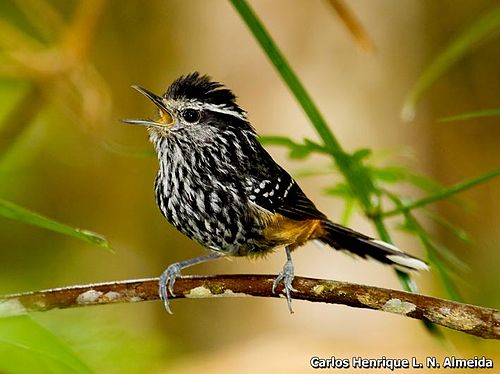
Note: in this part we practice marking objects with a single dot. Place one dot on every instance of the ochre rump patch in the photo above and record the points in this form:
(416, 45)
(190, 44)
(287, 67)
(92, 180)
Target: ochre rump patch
(292, 233)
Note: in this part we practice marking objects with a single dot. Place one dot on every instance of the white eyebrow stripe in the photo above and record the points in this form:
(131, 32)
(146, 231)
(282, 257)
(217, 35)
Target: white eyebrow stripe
(220, 108)
(223, 110)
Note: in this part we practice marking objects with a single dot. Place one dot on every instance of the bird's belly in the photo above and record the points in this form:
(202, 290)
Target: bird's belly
(217, 218)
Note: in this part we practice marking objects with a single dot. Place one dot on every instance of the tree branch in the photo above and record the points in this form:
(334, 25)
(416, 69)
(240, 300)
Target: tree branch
(470, 319)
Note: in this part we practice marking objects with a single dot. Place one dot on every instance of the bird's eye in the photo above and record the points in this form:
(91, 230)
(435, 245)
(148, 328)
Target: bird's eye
(191, 115)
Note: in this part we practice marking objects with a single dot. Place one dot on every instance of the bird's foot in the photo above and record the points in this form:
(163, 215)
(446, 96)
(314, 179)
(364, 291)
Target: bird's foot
(167, 281)
(286, 277)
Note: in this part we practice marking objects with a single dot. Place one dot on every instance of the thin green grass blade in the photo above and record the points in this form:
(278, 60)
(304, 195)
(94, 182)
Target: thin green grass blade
(434, 260)
(405, 279)
(414, 226)
(356, 176)
(355, 173)
(484, 28)
(26, 347)
(471, 115)
(15, 212)
(443, 194)
(451, 259)
(459, 232)
(444, 253)
(287, 74)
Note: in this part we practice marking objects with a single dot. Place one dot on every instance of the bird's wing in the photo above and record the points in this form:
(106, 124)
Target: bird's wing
(270, 187)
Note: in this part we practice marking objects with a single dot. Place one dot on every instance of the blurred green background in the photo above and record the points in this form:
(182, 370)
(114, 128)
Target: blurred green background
(65, 73)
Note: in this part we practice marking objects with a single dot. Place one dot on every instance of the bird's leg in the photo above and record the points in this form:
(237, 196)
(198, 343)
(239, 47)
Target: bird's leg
(286, 276)
(167, 279)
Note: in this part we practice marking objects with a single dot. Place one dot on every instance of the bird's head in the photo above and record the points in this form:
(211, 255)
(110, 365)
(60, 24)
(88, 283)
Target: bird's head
(194, 108)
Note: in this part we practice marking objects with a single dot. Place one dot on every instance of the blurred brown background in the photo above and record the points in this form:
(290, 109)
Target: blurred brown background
(66, 155)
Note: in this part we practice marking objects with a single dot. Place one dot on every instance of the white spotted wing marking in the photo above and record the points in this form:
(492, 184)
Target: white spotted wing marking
(268, 194)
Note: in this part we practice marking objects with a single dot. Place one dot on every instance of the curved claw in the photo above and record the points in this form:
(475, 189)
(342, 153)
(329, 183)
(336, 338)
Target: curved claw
(167, 281)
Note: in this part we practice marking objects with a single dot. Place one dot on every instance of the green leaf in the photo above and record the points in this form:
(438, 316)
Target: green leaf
(443, 194)
(412, 225)
(361, 154)
(15, 212)
(435, 262)
(398, 174)
(348, 211)
(276, 140)
(424, 183)
(482, 29)
(444, 252)
(340, 189)
(471, 115)
(299, 153)
(451, 258)
(296, 150)
(327, 169)
(313, 145)
(455, 230)
(26, 347)
(390, 174)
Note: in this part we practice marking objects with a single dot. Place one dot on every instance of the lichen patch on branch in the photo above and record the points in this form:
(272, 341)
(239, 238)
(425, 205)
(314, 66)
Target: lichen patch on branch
(198, 293)
(399, 307)
(89, 297)
(10, 308)
(367, 299)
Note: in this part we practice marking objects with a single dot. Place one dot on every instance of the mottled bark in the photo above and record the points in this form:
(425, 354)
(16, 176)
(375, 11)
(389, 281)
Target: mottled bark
(470, 319)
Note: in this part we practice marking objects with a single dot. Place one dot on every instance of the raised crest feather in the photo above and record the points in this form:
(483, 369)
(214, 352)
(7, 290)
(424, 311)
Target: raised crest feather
(201, 88)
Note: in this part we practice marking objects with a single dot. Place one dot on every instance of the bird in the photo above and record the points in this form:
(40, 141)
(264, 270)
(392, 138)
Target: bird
(217, 185)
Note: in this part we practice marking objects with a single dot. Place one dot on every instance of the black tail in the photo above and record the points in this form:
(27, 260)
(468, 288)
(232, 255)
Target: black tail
(341, 237)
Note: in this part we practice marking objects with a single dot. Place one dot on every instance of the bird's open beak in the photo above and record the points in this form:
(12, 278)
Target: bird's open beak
(165, 118)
